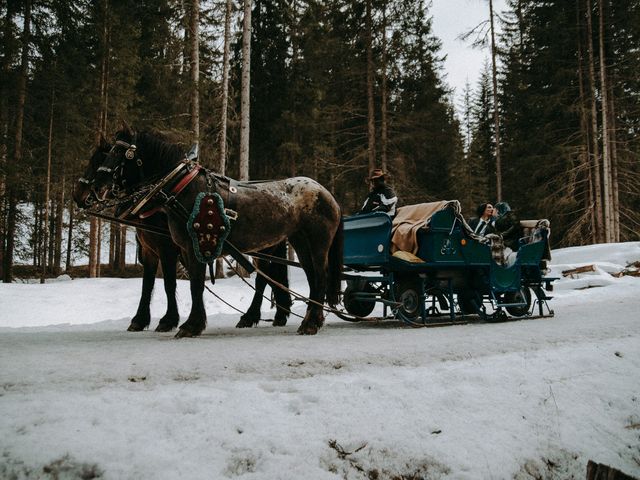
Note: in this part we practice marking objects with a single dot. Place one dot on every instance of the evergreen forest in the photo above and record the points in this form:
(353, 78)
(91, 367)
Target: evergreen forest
(337, 88)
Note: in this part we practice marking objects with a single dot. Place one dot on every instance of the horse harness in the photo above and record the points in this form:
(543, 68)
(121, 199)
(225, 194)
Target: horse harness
(209, 222)
(164, 193)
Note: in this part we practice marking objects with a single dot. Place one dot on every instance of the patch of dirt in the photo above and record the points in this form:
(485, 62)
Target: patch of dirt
(362, 462)
(563, 465)
(241, 462)
(65, 468)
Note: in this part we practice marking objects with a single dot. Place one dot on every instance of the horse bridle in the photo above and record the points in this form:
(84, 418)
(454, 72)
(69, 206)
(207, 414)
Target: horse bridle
(131, 154)
(89, 181)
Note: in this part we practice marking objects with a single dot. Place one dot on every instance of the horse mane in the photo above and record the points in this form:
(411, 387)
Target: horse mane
(161, 147)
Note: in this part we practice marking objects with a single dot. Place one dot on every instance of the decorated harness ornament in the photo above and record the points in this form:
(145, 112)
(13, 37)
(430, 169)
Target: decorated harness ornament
(208, 226)
(130, 153)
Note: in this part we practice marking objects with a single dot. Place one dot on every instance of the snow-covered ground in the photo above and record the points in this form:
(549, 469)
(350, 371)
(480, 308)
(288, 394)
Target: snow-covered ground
(82, 398)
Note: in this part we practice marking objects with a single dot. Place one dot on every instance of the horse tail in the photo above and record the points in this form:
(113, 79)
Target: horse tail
(335, 267)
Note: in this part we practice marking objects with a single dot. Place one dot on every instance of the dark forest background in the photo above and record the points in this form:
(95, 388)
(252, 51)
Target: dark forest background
(337, 86)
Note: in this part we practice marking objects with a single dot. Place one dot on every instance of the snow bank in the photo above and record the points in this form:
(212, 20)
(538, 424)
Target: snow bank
(607, 259)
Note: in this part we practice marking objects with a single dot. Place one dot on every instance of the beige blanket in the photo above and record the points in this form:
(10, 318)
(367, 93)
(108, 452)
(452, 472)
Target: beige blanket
(407, 222)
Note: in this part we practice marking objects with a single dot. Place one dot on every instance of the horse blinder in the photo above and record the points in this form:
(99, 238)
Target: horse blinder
(119, 179)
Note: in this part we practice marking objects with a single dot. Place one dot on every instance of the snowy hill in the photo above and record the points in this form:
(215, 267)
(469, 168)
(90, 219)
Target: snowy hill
(82, 398)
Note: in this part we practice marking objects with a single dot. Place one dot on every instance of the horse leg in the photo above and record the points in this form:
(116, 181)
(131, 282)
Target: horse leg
(142, 318)
(197, 320)
(280, 273)
(169, 260)
(315, 313)
(313, 319)
(252, 315)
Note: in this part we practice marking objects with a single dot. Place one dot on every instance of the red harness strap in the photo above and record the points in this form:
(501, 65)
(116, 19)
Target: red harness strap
(186, 180)
(181, 185)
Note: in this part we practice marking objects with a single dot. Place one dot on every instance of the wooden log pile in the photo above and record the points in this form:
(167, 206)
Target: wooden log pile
(631, 270)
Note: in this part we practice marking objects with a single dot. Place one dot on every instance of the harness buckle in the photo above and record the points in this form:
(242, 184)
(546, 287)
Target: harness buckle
(232, 214)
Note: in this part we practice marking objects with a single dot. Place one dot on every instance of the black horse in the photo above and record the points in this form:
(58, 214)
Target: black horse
(298, 209)
(154, 248)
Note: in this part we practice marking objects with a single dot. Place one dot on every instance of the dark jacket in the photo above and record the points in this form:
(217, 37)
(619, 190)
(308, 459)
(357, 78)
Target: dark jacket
(473, 223)
(508, 225)
(381, 199)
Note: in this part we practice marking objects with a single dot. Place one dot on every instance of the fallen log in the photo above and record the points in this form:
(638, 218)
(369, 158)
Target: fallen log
(583, 269)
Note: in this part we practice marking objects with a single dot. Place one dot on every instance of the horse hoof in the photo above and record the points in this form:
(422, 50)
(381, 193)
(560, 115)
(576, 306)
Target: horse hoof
(182, 333)
(279, 322)
(135, 327)
(245, 324)
(165, 328)
(307, 330)
(248, 320)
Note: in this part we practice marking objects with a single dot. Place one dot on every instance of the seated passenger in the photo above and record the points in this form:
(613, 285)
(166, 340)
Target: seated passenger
(483, 223)
(507, 224)
(381, 197)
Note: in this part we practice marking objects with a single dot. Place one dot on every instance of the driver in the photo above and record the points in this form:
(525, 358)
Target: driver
(381, 196)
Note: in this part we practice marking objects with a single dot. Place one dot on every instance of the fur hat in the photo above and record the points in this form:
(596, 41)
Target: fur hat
(502, 208)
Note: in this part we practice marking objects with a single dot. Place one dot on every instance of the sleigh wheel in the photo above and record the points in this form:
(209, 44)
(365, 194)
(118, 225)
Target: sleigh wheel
(411, 299)
(522, 296)
(353, 301)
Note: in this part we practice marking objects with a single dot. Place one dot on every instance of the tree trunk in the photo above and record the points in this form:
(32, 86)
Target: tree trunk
(114, 244)
(4, 126)
(47, 190)
(122, 259)
(371, 115)
(36, 237)
(245, 102)
(104, 73)
(94, 257)
(384, 94)
(94, 225)
(496, 116)
(585, 153)
(17, 154)
(597, 183)
(67, 263)
(59, 217)
(51, 226)
(606, 141)
(10, 240)
(194, 61)
(222, 162)
(245, 94)
(614, 166)
(99, 250)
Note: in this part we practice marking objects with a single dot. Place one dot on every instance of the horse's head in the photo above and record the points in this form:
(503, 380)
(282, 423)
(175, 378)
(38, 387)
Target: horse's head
(83, 191)
(121, 168)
